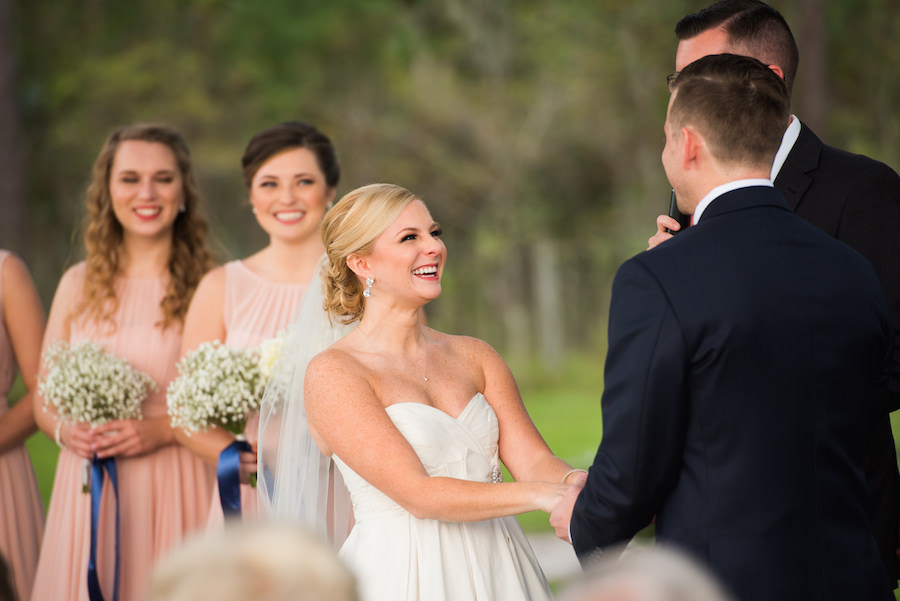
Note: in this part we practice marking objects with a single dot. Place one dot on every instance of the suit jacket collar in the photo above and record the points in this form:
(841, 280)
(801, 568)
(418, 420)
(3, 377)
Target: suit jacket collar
(792, 180)
(744, 198)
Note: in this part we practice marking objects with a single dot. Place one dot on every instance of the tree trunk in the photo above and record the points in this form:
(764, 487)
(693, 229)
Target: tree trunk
(813, 66)
(548, 306)
(12, 176)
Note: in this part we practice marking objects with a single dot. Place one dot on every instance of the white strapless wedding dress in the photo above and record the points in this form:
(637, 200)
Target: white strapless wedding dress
(397, 557)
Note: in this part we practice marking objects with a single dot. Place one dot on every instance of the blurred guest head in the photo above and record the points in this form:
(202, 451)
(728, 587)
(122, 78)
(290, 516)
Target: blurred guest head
(745, 27)
(352, 227)
(645, 574)
(257, 561)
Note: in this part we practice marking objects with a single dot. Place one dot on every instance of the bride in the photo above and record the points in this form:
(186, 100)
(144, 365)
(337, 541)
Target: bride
(417, 421)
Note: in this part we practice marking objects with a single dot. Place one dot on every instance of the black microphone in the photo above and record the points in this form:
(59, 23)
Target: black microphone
(682, 219)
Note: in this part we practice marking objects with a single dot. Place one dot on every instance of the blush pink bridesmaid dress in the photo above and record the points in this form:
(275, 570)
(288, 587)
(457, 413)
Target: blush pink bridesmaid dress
(163, 495)
(21, 510)
(255, 311)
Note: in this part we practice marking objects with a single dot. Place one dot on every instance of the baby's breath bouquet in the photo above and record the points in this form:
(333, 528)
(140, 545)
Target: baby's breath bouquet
(217, 385)
(86, 384)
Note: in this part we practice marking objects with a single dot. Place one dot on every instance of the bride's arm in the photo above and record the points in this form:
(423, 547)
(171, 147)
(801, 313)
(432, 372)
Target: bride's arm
(346, 419)
(522, 448)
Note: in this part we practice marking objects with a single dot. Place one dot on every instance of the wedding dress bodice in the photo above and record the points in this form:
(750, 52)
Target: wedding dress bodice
(463, 447)
(398, 557)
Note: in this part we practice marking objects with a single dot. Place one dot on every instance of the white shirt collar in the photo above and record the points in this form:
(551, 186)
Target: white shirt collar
(720, 190)
(787, 144)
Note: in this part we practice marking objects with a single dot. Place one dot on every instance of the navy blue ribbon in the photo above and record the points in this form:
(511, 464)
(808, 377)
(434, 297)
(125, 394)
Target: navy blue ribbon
(97, 467)
(228, 472)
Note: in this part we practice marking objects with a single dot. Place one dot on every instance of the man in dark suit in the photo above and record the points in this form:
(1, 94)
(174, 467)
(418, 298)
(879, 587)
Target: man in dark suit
(747, 361)
(848, 196)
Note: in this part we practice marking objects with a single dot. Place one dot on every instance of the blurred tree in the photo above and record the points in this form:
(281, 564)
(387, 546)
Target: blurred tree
(531, 127)
(12, 158)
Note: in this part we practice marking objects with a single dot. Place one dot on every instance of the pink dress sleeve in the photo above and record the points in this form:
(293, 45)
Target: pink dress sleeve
(21, 509)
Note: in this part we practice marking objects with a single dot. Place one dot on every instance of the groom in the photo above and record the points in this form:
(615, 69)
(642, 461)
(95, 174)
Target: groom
(747, 359)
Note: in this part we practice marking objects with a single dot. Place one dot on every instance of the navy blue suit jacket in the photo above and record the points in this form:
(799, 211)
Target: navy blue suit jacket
(746, 366)
(856, 200)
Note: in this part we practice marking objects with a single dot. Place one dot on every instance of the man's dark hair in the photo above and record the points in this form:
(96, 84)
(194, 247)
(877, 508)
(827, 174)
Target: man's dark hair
(739, 106)
(754, 29)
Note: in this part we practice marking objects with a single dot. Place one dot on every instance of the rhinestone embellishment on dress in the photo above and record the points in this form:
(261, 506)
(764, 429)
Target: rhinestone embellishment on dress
(496, 474)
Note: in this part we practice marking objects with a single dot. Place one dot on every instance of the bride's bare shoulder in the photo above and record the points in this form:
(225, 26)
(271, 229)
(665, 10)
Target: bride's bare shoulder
(333, 361)
(466, 346)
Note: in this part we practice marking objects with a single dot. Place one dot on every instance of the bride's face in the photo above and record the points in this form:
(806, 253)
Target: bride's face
(408, 257)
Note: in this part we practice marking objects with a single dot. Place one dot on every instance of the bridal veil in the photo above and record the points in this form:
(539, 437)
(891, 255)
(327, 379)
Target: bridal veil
(295, 481)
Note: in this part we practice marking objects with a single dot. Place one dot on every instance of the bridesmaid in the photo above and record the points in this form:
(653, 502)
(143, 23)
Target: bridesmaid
(291, 171)
(21, 512)
(146, 252)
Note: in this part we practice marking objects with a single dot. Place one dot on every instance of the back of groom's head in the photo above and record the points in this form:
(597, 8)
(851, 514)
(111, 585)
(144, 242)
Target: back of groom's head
(753, 29)
(738, 105)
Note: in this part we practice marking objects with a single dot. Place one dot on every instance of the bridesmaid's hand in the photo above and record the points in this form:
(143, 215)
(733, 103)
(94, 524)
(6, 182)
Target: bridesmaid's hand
(248, 466)
(77, 438)
(130, 437)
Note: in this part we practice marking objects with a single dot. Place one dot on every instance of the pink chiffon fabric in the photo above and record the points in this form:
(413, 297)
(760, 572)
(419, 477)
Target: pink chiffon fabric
(21, 510)
(255, 311)
(163, 495)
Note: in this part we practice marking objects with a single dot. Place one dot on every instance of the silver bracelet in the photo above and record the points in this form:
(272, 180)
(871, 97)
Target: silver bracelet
(570, 472)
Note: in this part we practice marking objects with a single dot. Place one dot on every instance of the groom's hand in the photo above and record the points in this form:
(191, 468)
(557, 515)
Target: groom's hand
(562, 513)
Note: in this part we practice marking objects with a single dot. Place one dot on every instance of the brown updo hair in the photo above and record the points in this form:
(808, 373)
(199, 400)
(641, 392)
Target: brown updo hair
(190, 257)
(351, 227)
(287, 136)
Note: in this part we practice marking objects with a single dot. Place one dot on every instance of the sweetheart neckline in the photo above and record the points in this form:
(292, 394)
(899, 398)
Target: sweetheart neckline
(456, 418)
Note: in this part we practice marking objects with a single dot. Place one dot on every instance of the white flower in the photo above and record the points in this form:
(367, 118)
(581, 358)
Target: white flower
(217, 385)
(269, 352)
(86, 384)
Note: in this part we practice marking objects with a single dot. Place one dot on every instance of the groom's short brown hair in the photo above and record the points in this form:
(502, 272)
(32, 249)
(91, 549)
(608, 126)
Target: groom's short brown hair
(737, 103)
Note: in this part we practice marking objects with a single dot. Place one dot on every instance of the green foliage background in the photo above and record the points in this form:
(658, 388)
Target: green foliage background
(532, 128)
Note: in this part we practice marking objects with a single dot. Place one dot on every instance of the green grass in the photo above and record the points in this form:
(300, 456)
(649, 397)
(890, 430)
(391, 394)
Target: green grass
(565, 407)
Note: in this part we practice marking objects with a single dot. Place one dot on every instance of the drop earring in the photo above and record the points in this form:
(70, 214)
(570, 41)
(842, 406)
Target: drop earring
(368, 291)
(182, 208)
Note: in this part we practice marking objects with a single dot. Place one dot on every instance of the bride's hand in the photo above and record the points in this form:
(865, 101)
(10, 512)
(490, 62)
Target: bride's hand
(550, 494)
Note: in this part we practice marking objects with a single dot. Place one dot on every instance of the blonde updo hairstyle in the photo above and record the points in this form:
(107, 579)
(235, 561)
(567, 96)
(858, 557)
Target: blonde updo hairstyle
(351, 227)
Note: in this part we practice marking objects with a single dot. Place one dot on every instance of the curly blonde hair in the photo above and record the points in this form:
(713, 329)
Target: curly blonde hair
(190, 257)
(351, 227)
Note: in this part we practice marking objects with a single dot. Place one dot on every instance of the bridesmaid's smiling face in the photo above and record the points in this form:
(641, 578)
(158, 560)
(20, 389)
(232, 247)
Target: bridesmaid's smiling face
(146, 188)
(289, 196)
